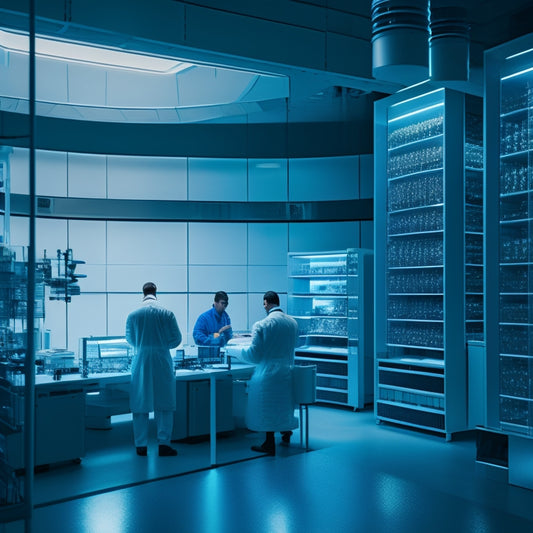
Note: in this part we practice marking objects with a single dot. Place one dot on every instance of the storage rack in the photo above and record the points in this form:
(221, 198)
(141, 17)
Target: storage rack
(429, 254)
(509, 224)
(330, 296)
(13, 325)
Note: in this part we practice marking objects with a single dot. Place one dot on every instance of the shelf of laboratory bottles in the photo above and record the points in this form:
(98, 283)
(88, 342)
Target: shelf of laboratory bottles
(420, 190)
(515, 242)
(322, 326)
(420, 334)
(322, 265)
(516, 339)
(430, 125)
(326, 306)
(325, 285)
(516, 414)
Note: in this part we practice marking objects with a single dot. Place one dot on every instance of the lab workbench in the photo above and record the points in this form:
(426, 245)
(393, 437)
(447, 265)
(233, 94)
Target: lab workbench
(64, 408)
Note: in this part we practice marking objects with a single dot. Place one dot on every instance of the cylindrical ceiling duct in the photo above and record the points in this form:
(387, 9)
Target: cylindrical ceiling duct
(449, 44)
(400, 36)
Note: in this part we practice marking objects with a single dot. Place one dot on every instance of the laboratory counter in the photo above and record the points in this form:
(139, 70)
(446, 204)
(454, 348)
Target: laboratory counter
(65, 407)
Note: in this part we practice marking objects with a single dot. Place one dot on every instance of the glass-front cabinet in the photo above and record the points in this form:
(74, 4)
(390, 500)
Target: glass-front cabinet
(13, 351)
(509, 224)
(428, 254)
(330, 296)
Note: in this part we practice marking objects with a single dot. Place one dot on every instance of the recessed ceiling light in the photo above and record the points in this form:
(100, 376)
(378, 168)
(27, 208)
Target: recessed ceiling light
(89, 54)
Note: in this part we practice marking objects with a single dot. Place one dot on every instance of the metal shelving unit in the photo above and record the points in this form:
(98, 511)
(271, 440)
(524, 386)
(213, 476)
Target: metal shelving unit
(429, 254)
(13, 339)
(509, 224)
(330, 296)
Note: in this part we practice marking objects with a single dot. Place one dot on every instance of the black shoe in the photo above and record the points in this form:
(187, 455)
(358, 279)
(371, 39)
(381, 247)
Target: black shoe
(264, 449)
(286, 438)
(142, 451)
(167, 451)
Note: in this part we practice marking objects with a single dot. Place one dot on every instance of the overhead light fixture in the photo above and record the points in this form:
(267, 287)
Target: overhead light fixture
(89, 54)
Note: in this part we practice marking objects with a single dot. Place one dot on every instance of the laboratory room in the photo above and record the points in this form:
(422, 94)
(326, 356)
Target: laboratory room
(228, 257)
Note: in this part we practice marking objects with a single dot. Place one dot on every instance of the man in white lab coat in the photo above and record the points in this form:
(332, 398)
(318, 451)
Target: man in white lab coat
(270, 403)
(152, 331)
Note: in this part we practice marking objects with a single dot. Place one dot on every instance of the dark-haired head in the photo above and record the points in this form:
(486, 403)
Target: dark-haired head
(149, 288)
(271, 298)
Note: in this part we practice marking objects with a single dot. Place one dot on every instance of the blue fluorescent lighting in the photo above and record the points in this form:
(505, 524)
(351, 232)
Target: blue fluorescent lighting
(416, 98)
(423, 110)
(519, 54)
(516, 74)
(81, 53)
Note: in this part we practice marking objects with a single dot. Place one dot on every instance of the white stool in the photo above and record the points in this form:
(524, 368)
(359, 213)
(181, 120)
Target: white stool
(304, 394)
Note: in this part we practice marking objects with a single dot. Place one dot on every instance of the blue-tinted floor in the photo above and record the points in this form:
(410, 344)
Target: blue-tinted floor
(361, 477)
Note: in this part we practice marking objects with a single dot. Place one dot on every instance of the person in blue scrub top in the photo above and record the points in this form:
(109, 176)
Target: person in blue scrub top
(213, 327)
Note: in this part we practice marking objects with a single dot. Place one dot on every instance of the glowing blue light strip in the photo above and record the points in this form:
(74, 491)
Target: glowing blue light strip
(519, 54)
(423, 110)
(417, 97)
(520, 73)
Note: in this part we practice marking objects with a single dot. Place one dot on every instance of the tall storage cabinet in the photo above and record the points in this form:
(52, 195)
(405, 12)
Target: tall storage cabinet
(428, 254)
(330, 296)
(509, 224)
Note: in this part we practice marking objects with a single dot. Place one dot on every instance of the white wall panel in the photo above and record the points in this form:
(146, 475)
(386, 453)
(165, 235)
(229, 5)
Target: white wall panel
(50, 79)
(56, 321)
(147, 178)
(217, 244)
(267, 180)
(87, 175)
(131, 278)
(51, 235)
(267, 244)
(95, 280)
(323, 236)
(150, 243)
(20, 228)
(19, 162)
(267, 278)
(50, 173)
(87, 315)
(87, 238)
(14, 73)
(223, 180)
(119, 306)
(86, 84)
(126, 88)
(326, 178)
(227, 278)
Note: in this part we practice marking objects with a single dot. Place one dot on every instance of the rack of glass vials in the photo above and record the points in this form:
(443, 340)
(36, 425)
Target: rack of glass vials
(330, 296)
(429, 254)
(509, 224)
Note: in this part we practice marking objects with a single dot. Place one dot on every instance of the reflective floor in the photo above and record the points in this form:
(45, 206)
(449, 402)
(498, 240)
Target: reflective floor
(359, 477)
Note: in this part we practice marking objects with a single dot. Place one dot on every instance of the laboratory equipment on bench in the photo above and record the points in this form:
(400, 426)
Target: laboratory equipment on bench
(60, 275)
(104, 355)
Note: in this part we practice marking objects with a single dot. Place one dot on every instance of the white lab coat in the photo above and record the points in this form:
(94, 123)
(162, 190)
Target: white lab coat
(152, 331)
(270, 402)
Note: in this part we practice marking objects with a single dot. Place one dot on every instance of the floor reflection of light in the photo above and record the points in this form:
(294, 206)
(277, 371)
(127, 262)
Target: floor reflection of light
(279, 519)
(478, 522)
(390, 492)
(212, 512)
(106, 514)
